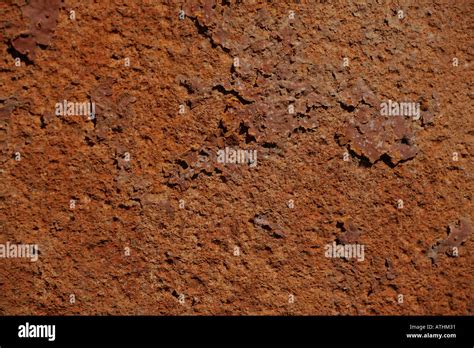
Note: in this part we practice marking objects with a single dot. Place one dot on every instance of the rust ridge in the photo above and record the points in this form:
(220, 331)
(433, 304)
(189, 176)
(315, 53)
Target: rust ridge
(458, 235)
(372, 136)
(42, 16)
(227, 157)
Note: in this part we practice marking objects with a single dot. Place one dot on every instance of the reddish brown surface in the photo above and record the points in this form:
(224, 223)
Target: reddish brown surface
(190, 251)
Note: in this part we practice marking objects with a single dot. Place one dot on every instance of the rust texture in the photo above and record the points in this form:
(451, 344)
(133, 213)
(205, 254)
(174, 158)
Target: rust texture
(237, 155)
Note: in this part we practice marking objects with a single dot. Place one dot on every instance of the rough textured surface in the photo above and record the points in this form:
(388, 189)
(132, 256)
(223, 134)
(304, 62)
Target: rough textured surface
(144, 176)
